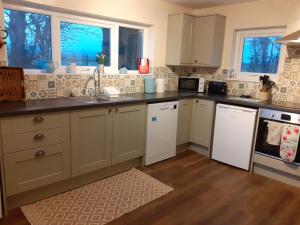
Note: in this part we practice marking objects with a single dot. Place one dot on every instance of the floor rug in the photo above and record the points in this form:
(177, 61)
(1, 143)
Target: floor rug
(97, 203)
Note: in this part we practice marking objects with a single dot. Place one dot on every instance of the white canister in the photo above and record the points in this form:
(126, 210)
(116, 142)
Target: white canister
(160, 85)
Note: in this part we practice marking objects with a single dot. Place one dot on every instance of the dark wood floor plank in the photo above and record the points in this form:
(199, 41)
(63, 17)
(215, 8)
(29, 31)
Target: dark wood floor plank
(207, 192)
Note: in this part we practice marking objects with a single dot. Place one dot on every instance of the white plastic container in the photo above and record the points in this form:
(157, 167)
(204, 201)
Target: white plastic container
(160, 85)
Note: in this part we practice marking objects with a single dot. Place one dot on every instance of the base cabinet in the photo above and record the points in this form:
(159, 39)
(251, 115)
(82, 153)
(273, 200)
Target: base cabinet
(36, 150)
(102, 137)
(91, 140)
(184, 121)
(129, 133)
(202, 120)
(34, 168)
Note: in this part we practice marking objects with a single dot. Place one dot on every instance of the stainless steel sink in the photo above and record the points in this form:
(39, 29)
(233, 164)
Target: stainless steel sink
(254, 100)
(93, 99)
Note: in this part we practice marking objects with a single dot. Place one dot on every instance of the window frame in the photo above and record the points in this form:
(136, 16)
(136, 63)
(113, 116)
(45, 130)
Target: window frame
(145, 40)
(31, 10)
(239, 47)
(57, 17)
(91, 22)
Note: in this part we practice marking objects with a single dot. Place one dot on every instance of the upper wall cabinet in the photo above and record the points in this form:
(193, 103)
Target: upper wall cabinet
(195, 41)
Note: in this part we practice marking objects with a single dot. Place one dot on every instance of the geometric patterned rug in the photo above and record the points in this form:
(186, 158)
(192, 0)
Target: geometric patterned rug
(97, 203)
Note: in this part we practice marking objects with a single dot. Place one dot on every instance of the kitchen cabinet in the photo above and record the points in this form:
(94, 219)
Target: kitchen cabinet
(184, 121)
(195, 41)
(36, 150)
(129, 132)
(91, 140)
(208, 40)
(33, 168)
(180, 39)
(36, 122)
(35, 139)
(102, 137)
(202, 120)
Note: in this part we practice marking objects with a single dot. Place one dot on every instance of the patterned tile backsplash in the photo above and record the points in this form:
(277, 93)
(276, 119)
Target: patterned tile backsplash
(62, 85)
(41, 86)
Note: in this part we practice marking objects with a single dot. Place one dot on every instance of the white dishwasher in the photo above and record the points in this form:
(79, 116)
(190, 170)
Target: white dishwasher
(161, 131)
(233, 135)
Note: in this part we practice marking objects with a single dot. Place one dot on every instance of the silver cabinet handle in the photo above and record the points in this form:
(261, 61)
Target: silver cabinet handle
(39, 154)
(38, 119)
(39, 137)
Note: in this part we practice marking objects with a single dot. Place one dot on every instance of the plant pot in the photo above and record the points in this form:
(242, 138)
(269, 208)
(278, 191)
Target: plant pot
(264, 95)
(100, 68)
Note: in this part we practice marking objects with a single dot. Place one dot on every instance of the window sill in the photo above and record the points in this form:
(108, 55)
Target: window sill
(40, 72)
(244, 79)
(252, 78)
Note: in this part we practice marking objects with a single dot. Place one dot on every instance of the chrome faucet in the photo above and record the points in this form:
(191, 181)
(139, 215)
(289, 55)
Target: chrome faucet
(96, 89)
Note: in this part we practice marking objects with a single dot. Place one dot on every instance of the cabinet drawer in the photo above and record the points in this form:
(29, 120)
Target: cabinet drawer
(36, 139)
(34, 168)
(35, 122)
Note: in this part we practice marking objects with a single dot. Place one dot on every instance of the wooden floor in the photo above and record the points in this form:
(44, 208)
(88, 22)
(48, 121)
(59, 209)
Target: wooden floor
(209, 193)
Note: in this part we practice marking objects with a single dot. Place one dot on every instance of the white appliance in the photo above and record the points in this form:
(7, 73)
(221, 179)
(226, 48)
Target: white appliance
(233, 135)
(161, 131)
(191, 84)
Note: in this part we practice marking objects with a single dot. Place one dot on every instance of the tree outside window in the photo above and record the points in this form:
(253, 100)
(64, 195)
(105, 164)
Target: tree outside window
(29, 42)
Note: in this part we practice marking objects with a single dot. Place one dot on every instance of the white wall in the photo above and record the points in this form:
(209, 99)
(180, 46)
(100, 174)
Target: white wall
(261, 13)
(152, 12)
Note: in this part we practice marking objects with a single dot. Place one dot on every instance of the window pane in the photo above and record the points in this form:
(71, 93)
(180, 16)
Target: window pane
(80, 43)
(29, 39)
(130, 47)
(260, 55)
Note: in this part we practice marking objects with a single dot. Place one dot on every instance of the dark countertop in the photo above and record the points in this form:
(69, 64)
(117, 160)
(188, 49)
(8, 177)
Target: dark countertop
(64, 104)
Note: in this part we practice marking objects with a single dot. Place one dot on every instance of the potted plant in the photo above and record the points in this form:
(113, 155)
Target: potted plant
(100, 59)
(265, 89)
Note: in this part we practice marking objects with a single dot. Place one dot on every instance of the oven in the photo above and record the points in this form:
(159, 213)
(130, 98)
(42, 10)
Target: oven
(262, 146)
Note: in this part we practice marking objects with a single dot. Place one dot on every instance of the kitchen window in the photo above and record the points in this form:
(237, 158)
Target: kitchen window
(38, 36)
(258, 53)
(29, 42)
(130, 47)
(80, 43)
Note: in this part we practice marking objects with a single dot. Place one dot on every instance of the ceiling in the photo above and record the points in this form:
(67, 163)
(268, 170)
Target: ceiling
(205, 3)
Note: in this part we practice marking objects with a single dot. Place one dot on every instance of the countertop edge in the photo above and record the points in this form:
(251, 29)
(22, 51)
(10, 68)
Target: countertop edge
(10, 109)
